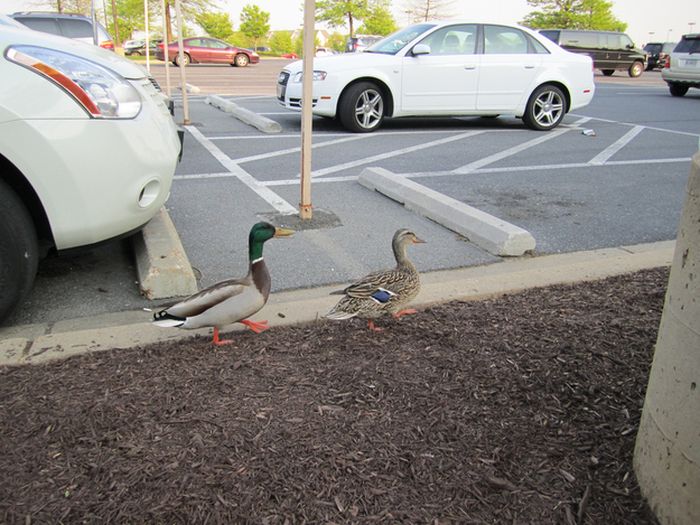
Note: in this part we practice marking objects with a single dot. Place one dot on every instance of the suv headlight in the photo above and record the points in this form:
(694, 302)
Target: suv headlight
(100, 91)
(318, 75)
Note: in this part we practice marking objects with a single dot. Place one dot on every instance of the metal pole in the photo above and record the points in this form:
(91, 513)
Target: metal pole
(93, 15)
(305, 209)
(183, 77)
(165, 51)
(148, 36)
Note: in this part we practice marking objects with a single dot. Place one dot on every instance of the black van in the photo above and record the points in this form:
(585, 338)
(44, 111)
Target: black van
(610, 50)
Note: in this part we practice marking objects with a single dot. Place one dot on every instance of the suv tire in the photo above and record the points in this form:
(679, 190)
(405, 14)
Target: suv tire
(545, 109)
(19, 252)
(361, 108)
(636, 69)
(677, 90)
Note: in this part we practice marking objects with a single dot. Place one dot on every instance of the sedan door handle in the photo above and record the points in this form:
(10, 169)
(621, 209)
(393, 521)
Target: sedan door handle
(529, 67)
(470, 67)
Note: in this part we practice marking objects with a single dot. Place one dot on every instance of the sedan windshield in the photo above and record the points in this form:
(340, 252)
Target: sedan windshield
(393, 43)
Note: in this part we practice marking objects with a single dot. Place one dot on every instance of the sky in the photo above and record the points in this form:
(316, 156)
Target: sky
(647, 20)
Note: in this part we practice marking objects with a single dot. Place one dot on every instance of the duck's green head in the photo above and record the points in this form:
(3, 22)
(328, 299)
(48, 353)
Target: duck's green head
(261, 232)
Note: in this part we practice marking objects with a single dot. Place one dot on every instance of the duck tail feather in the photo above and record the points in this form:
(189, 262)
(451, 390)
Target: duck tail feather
(166, 320)
(339, 316)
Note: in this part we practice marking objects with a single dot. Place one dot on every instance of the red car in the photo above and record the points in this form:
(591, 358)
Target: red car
(203, 49)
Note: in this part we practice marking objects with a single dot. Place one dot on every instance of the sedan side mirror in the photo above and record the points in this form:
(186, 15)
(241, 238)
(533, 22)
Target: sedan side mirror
(421, 49)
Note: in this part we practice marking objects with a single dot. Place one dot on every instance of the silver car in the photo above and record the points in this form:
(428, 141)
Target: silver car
(682, 69)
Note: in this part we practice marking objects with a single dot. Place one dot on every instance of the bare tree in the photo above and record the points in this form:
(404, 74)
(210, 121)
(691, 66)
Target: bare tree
(424, 10)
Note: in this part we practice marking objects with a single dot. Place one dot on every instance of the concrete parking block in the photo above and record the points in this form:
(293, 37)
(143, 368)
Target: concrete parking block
(264, 124)
(486, 231)
(162, 264)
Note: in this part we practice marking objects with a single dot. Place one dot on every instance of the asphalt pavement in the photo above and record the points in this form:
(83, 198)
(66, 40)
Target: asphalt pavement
(574, 193)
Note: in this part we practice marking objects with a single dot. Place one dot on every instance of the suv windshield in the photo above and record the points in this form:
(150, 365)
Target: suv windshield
(396, 41)
(689, 44)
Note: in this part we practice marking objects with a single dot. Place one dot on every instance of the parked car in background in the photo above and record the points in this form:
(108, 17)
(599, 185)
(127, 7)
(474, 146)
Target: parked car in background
(263, 49)
(324, 52)
(446, 69)
(360, 42)
(610, 50)
(202, 49)
(289, 55)
(682, 69)
(77, 27)
(88, 150)
(138, 47)
(657, 53)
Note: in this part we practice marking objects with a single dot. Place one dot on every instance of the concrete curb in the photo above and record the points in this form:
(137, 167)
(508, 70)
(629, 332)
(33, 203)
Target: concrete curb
(161, 262)
(264, 124)
(127, 329)
(490, 233)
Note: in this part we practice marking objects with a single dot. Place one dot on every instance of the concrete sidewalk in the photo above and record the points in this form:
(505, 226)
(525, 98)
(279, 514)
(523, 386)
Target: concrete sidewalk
(45, 342)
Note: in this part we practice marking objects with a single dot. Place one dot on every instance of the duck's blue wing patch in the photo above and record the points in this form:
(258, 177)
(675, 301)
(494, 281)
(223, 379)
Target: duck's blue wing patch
(382, 296)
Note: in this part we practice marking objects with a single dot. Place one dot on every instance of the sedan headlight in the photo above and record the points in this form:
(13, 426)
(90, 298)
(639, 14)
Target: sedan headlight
(100, 91)
(318, 75)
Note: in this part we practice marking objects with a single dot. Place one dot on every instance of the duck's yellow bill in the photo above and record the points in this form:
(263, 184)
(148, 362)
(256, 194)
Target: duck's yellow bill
(283, 232)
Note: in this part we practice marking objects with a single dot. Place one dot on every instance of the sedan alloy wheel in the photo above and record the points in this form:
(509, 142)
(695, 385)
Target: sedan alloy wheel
(545, 109)
(362, 107)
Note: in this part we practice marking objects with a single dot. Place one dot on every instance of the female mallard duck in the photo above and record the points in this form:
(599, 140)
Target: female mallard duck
(231, 301)
(385, 291)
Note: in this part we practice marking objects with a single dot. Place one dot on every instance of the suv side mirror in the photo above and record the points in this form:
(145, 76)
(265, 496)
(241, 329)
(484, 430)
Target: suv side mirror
(420, 49)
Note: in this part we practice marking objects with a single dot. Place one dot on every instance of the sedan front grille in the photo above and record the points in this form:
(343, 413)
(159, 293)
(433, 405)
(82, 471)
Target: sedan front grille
(296, 102)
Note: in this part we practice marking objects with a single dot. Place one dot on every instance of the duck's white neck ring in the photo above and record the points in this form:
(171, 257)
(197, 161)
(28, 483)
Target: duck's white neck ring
(256, 260)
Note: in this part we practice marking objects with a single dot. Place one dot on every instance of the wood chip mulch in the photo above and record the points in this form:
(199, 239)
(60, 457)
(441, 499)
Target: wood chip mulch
(519, 409)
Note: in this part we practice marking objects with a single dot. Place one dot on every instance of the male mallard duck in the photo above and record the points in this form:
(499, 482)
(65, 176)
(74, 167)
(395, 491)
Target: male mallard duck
(231, 301)
(385, 291)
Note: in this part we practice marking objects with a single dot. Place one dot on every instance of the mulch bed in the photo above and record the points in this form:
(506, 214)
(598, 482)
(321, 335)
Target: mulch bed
(519, 409)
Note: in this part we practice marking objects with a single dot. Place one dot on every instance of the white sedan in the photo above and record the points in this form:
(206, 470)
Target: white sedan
(447, 68)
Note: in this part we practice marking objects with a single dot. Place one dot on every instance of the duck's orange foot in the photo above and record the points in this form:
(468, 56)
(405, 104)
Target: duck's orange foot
(371, 326)
(220, 342)
(255, 326)
(401, 313)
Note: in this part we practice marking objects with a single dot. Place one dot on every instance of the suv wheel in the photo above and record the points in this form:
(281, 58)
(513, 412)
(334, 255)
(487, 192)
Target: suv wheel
(361, 108)
(241, 60)
(608, 72)
(19, 252)
(545, 109)
(677, 90)
(636, 69)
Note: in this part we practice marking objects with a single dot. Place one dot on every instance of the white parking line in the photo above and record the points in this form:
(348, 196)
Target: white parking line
(298, 149)
(616, 146)
(267, 194)
(665, 130)
(350, 178)
(394, 153)
(472, 166)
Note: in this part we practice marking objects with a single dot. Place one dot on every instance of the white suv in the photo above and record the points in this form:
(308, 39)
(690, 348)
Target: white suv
(88, 150)
(682, 69)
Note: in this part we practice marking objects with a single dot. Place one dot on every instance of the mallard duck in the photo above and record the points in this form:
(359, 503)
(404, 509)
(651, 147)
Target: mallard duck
(231, 301)
(382, 292)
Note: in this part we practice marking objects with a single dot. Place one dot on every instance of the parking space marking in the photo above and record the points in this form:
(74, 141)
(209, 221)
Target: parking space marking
(480, 171)
(666, 130)
(297, 149)
(394, 153)
(246, 178)
(472, 166)
(616, 146)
